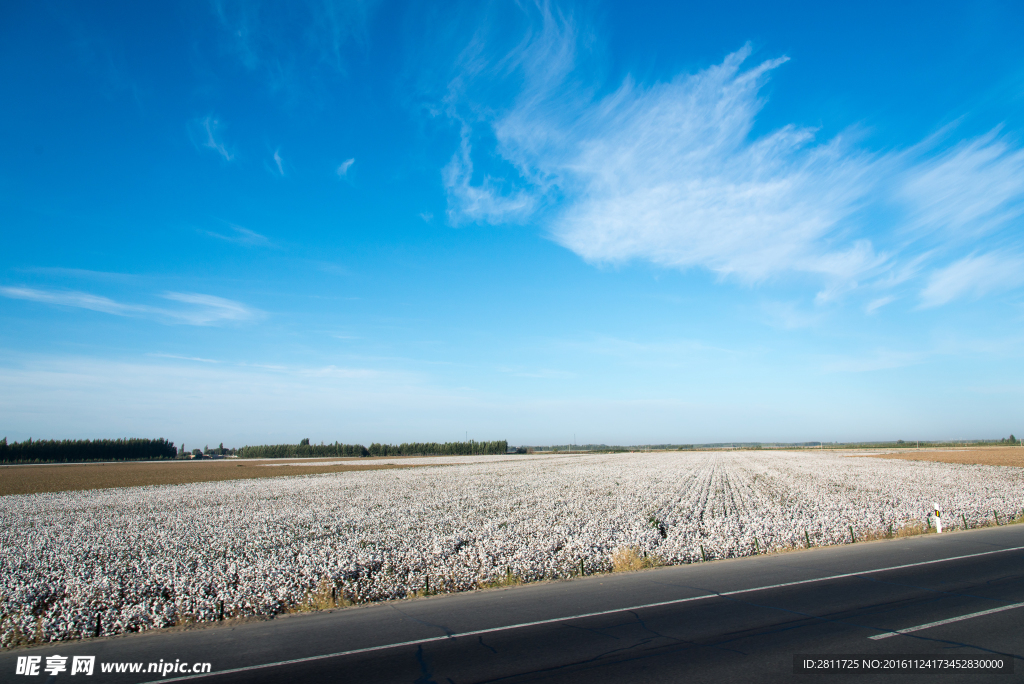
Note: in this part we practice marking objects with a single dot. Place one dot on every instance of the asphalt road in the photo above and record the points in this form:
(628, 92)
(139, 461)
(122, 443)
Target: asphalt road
(740, 620)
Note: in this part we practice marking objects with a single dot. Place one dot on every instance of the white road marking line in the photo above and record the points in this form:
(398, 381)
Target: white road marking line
(908, 630)
(504, 628)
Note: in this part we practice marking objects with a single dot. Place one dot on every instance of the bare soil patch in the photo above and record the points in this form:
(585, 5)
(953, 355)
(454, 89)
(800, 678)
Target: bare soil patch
(1001, 456)
(33, 479)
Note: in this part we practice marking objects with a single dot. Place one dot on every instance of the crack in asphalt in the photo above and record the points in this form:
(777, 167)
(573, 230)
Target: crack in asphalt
(426, 672)
(906, 585)
(682, 645)
(845, 622)
(643, 625)
(598, 632)
(556, 668)
(678, 643)
(444, 629)
(962, 644)
(875, 607)
(480, 640)
(720, 644)
(805, 620)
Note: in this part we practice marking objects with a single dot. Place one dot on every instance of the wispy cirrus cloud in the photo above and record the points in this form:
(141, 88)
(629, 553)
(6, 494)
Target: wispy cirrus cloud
(973, 276)
(79, 273)
(241, 236)
(278, 163)
(974, 188)
(260, 35)
(671, 173)
(200, 309)
(484, 201)
(876, 304)
(81, 300)
(207, 309)
(209, 126)
(343, 168)
(668, 173)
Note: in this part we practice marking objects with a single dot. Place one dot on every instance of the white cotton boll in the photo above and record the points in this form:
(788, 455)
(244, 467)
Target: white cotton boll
(140, 560)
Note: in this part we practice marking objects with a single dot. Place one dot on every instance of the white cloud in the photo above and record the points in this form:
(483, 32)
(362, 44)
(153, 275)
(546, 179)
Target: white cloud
(207, 309)
(975, 187)
(524, 133)
(82, 300)
(277, 160)
(79, 273)
(426, 216)
(482, 202)
(345, 166)
(974, 275)
(876, 304)
(203, 309)
(210, 125)
(241, 236)
(262, 35)
(671, 173)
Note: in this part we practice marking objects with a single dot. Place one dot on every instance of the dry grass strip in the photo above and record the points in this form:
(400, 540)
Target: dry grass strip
(33, 479)
(1001, 456)
(628, 559)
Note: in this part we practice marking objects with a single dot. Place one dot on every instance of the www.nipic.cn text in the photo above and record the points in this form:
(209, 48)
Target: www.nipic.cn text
(86, 665)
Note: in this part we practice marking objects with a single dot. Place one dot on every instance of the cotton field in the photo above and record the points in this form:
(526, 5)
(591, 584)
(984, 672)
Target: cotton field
(109, 561)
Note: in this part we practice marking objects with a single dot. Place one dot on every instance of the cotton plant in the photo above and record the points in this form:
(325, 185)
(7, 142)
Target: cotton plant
(78, 564)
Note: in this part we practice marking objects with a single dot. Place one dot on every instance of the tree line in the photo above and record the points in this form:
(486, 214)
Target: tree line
(75, 450)
(302, 450)
(437, 449)
(305, 450)
(137, 449)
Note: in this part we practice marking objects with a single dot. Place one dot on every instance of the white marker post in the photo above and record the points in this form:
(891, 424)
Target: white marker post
(938, 518)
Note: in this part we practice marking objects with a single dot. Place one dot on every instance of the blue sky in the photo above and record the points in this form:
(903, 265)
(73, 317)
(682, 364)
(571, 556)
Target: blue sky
(629, 222)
